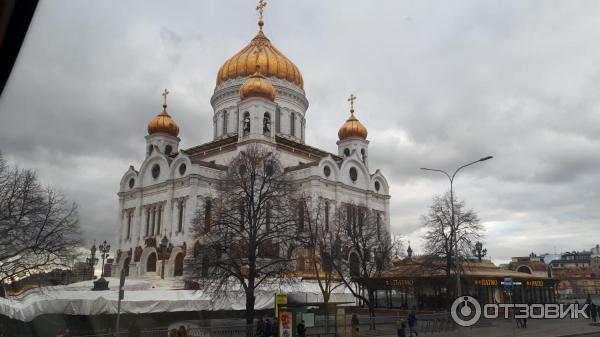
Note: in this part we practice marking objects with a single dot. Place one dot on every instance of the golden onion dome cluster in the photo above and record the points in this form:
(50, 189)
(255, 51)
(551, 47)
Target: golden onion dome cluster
(163, 123)
(352, 128)
(262, 52)
(257, 86)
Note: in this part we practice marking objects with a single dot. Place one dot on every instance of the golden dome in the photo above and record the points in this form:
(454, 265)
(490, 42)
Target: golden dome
(163, 123)
(352, 128)
(257, 86)
(260, 51)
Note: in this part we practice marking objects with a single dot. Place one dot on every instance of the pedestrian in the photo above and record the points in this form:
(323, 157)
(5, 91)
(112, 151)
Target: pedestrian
(355, 323)
(401, 328)
(589, 303)
(267, 328)
(134, 330)
(301, 329)
(275, 328)
(260, 328)
(593, 312)
(412, 323)
(182, 331)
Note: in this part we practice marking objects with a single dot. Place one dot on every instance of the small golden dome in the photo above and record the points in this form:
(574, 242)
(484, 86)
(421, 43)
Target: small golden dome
(260, 51)
(257, 86)
(163, 123)
(352, 128)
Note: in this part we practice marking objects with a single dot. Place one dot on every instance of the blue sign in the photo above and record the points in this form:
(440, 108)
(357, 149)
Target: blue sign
(508, 282)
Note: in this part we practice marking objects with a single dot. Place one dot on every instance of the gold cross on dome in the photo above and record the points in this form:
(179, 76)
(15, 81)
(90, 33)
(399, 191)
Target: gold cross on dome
(164, 94)
(351, 99)
(261, 7)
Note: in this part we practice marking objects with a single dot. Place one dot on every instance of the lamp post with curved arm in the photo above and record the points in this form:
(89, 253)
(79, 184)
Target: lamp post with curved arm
(452, 219)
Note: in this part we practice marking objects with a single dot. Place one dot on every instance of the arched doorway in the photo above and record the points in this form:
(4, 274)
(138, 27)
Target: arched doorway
(524, 269)
(125, 269)
(354, 265)
(151, 263)
(178, 270)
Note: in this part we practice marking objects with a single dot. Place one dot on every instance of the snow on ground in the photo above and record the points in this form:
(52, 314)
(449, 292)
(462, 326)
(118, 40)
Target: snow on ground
(145, 297)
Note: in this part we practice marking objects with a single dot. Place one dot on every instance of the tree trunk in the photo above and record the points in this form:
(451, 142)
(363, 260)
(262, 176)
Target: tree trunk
(371, 305)
(250, 299)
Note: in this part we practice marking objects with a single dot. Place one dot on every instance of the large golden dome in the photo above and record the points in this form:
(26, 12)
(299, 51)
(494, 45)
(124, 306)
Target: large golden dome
(272, 62)
(352, 128)
(257, 86)
(163, 123)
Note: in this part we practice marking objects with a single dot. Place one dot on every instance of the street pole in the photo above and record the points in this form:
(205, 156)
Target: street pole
(452, 217)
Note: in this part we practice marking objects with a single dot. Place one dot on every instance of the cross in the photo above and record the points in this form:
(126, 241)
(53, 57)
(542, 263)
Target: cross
(164, 94)
(261, 6)
(351, 100)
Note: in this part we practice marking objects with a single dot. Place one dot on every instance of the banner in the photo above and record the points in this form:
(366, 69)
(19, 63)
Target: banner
(285, 324)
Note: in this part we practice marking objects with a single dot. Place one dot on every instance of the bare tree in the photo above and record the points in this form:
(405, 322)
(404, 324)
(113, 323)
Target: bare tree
(244, 243)
(321, 237)
(39, 228)
(441, 231)
(365, 250)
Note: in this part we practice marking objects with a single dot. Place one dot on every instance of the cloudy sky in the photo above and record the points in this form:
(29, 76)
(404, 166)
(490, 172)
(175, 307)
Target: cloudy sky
(439, 84)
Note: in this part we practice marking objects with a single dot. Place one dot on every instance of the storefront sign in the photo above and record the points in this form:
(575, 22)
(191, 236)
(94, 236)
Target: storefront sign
(486, 282)
(534, 283)
(285, 324)
(399, 282)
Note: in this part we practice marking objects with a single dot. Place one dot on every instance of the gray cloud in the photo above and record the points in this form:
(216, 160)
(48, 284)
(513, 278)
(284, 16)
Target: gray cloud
(439, 84)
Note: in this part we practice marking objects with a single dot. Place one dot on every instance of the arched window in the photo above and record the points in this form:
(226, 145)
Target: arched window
(180, 219)
(207, 214)
(278, 121)
(363, 155)
(178, 270)
(354, 265)
(327, 216)
(205, 266)
(129, 219)
(158, 219)
(125, 269)
(225, 116)
(267, 124)
(246, 126)
(151, 263)
(327, 262)
(147, 221)
(292, 124)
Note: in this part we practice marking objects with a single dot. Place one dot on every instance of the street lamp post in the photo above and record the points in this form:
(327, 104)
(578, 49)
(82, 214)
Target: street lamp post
(452, 219)
(92, 260)
(164, 245)
(104, 249)
(479, 251)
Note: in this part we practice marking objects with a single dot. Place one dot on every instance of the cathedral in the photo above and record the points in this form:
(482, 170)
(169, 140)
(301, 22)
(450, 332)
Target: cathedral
(259, 99)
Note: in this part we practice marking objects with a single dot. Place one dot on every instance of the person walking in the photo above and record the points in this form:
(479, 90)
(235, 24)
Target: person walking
(267, 328)
(593, 312)
(401, 328)
(134, 330)
(354, 323)
(301, 329)
(260, 328)
(275, 328)
(412, 323)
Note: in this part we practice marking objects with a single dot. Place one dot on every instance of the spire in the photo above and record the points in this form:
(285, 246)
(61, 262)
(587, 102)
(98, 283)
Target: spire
(351, 99)
(260, 8)
(164, 95)
(409, 251)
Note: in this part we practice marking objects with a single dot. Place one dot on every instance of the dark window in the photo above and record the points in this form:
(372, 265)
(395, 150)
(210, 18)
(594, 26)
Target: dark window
(158, 220)
(278, 121)
(152, 232)
(326, 171)
(129, 216)
(346, 152)
(180, 219)
(267, 124)
(205, 266)
(292, 124)
(151, 264)
(362, 153)
(378, 226)
(182, 169)
(148, 222)
(225, 122)
(353, 174)
(168, 149)
(150, 149)
(327, 216)
(207, 214)
(246, 125)
(377, 186)
(131, 183)
(125, 269)
(178, 265)
(155, 171)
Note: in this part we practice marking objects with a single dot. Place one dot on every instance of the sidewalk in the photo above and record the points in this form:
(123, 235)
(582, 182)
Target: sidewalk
(535, 328)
